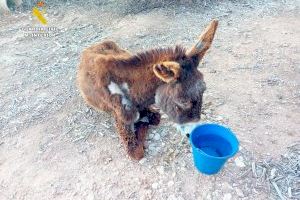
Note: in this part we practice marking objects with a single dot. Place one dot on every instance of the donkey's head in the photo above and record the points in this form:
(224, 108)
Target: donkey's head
(181, 97)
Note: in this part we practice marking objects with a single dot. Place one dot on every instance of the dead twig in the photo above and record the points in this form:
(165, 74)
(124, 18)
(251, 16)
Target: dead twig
(277, 190)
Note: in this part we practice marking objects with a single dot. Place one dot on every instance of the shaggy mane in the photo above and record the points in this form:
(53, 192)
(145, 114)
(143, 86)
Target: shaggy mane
(154, 56)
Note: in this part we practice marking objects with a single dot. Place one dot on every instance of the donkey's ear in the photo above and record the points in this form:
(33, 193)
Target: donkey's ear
(167, 71)
(204, 42)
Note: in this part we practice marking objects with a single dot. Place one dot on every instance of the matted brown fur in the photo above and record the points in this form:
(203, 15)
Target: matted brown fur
(114, 80)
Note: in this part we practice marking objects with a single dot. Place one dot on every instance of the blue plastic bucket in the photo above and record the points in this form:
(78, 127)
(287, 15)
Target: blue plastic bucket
(212, 146)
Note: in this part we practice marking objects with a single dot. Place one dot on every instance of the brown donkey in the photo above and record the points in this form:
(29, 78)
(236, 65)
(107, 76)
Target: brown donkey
(114, 80)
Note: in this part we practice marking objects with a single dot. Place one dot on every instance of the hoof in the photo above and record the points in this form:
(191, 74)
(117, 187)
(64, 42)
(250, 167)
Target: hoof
(154, 118)
(136, 153)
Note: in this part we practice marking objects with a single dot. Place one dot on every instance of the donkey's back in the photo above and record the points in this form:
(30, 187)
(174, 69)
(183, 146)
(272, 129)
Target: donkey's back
(107, 48)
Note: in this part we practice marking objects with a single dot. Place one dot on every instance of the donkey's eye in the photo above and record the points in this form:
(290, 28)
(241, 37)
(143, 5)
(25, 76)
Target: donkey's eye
(186, 105)
(183, 106)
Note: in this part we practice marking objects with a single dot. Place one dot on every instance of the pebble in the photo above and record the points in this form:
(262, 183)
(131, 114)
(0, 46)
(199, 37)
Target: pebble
(173, 174)
(160, 169)
(227, 196)
(108, 160)
(273, 172)
(170, 183)
(152, 147)
(142, 161)
(151, 135)
(55, 13)
(154, 185)
(172, 197)
(226, 186)
(208, 197)
(156, 136)
(219, 118)
(164, 116)
(239, 161)
(239, 192)
(65, 59)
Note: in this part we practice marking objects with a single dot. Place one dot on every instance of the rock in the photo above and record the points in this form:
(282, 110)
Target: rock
(160, 169)
(208, 197)
(170, 183)
(107, 160)
(153, 150)
(146, 144)
(55, 13)
(156, 136)
(226, 186)
(219, 118)
(151, 135)
(164, 116)
(273, 173)
(239, 161)
(65, 59)
(239, 192)
(227, 196)
(142, 161)
(183, 164)
(173, 174)
(154, 185)
(172, 197)
(152, 147)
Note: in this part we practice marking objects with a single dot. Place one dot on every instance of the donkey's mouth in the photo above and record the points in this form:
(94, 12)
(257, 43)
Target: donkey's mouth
(185, 129)
(188, 121)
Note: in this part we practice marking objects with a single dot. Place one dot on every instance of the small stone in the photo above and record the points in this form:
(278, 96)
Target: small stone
(146, 144)
(273, 173)
(108, 160)
(285, 45)
(239, 192)
(239, 161)
(227, 196)
(160, 169)
(151, 135)
(183, 164)
(172, 197)
(170, 183)
(55, 13)
(156, 136)
(208, 197)
(226, 186)
(219, 118)
(142, 161)
(235, 184)
(152, 147)
(164, 116)
(154, 185)
(65, 59)
(173, 174)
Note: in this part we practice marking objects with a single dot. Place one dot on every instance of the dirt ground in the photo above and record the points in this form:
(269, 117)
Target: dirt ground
(52, 146)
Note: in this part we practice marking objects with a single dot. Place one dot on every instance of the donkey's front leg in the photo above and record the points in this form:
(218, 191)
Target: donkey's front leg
(151, 116)
(126, 113)
(132, 141)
